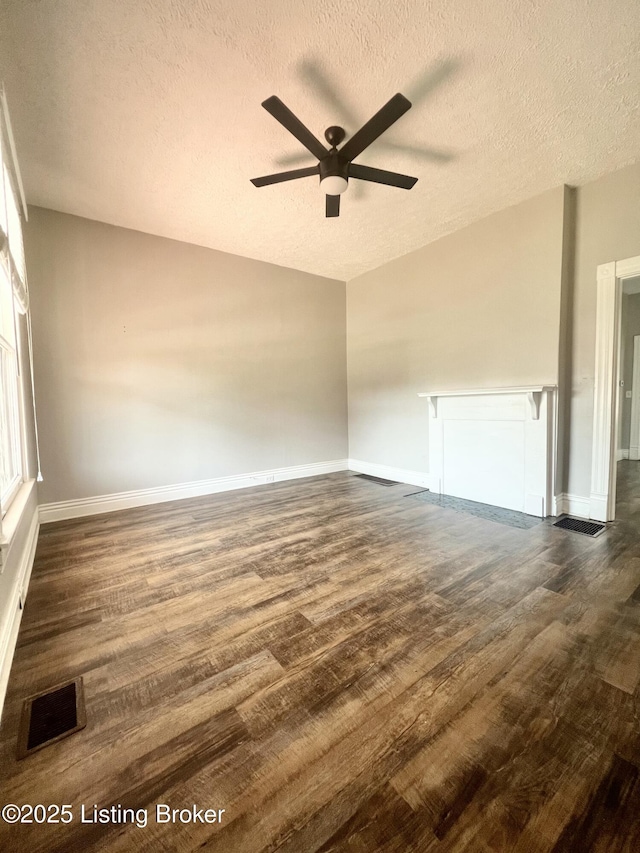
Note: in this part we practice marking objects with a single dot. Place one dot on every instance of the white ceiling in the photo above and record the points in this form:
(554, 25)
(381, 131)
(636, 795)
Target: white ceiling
(147, 114)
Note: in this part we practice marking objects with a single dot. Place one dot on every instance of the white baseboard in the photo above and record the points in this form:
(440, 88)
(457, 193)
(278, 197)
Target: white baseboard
(572, 505)
(9, 630)
(598, 507)
(402, 475)
(622, 454)
(63, 510)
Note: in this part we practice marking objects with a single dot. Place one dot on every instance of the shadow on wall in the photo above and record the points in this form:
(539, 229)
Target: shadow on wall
(205, 411)
(385, 365)
(208, 385)
(394, 364)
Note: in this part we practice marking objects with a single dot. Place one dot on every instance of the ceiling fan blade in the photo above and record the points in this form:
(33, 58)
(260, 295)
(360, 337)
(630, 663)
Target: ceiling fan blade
(437, 155)
(371, 130)
(333, 205)
(279, 177)
(293, 124)
(381, 176)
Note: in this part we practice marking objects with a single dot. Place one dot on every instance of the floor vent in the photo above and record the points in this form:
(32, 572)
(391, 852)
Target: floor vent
(578, 525)
(379, 480)
(51, 716)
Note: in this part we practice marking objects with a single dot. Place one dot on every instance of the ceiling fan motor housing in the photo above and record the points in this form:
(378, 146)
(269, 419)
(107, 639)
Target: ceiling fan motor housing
(333, 164)
(333, 173)
(334, 135)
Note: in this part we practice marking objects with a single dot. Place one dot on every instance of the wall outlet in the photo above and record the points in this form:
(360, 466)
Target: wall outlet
(628, 395)
(264, 478)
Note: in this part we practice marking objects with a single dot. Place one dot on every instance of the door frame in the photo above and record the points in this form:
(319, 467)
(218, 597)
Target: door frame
(634, 434)
(610, 278)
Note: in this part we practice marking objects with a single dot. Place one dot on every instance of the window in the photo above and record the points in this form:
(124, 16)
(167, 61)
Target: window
(13, 300)
(10, 449)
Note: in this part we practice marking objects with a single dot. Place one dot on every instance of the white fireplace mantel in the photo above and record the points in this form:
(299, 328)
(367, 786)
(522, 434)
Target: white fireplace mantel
(495, 445)
(533, 392)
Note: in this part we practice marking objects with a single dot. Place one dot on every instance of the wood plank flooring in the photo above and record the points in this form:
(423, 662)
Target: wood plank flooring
(340, 668)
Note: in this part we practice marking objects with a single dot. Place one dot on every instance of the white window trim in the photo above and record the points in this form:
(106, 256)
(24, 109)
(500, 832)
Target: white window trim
(17, 415)
(14, 167)
(12, 519)
(20, 488)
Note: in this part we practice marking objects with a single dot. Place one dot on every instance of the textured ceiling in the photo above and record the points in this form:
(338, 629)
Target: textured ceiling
(147, 114)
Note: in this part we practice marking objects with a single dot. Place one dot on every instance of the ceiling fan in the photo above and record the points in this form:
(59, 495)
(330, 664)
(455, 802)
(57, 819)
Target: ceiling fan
(334, 166)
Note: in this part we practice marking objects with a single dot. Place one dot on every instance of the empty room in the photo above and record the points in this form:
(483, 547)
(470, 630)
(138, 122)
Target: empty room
(320, 426)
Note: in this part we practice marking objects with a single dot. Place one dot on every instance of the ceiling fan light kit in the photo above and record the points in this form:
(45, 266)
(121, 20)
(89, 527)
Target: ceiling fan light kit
(333, 170)
(334, 166)
(333, 184)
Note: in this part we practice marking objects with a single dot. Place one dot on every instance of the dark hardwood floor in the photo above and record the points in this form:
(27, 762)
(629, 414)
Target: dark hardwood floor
(340, 668)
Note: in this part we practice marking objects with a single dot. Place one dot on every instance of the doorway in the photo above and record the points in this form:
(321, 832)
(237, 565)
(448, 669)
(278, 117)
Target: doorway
(618, 281)
(634, 415)
(628, 455)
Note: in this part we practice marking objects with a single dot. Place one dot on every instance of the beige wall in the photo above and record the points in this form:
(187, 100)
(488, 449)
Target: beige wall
(479, 308)
(607, 229)
(158, 362)
(630, 326)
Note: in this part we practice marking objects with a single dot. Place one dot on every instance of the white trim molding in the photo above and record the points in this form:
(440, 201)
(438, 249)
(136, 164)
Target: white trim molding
(572, 505)
(9, 627)
(533, 392)
(634, 430)
(80, 507)
(607, 374)
(388, 472)
(12, 520)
